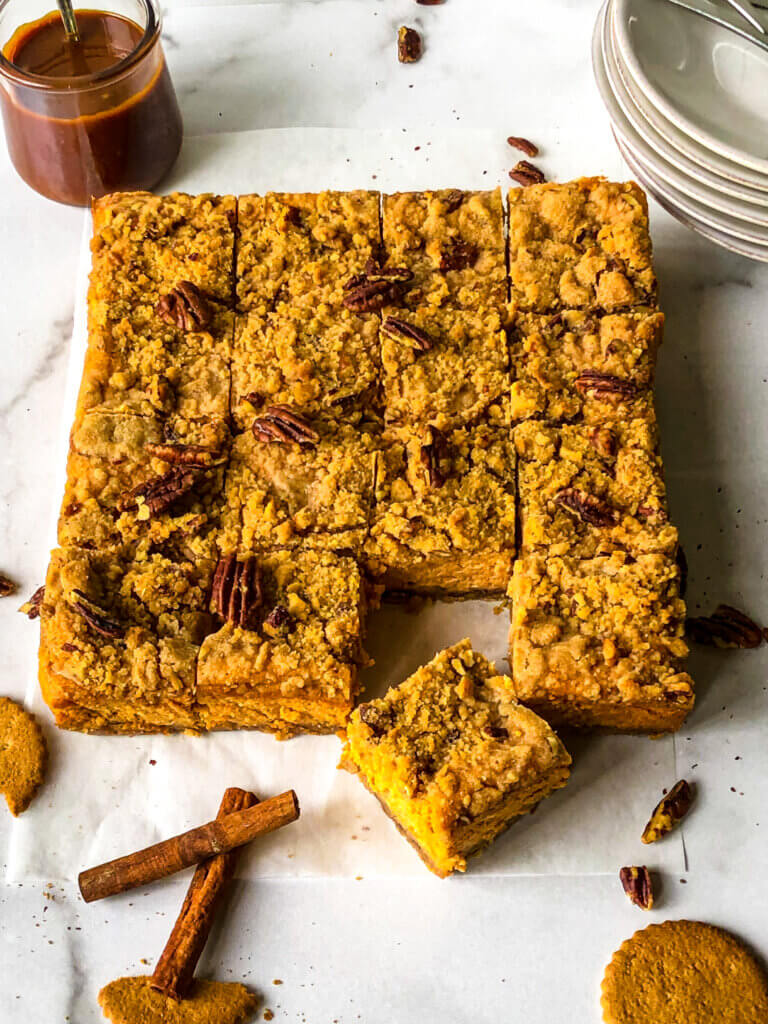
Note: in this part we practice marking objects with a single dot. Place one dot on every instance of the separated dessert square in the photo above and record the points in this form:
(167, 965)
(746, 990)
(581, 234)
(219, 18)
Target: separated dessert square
(586, 491)
(581, 365)
(580, 245)
(452, 757)
(287, 656)
(600, 642)
(450, 244)
(444, 516)
(447, 368)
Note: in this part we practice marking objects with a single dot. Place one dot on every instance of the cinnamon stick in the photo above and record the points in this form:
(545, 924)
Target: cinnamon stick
(176, 966)
(182, 851)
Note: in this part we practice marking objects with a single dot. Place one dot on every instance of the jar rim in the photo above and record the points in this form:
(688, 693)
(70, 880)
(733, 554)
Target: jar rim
(94, 78)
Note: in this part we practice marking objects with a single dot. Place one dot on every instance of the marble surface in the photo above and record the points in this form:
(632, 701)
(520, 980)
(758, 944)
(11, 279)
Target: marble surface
(413, 950)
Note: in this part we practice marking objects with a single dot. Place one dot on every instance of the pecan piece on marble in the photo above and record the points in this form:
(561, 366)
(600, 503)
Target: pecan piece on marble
(458, 255)
(194, 456)
(279, 424)
(185, 307)
(525, 174)
(524, 145)
(97, 618)
(409, 45)
(604, 385)
(727, 628)
(155, 496)
(637, 884)
(31, 608)
(671, 809)
(236, 591)
(591, 510)
(418, 339)
(431, 453)
(7, 586)
(370, 294)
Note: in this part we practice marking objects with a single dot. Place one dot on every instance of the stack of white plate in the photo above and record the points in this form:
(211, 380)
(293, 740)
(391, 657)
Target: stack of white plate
(688, 100)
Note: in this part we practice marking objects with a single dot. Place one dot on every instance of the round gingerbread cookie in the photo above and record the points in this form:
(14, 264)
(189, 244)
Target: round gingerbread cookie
(684, 972)
(22, 755)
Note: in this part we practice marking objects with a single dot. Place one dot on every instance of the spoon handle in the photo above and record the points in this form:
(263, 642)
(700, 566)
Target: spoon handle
(68, 17)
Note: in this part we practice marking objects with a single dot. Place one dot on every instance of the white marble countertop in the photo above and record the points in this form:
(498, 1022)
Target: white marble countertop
(416, 950)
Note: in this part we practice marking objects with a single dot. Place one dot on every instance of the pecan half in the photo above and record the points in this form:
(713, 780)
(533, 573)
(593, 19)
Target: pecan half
(278, 424)
(236, 590)
(726, 628)
(31, 608)
(524, 145)
(605, 385)
(430, 456)
(418, 339)
(525, 174)
(591, 510)
(185, 306)
(409, 45)
(194, 456)
(7, 586)
(160, 493)
(458, 255)
(368, 295)
(671, 809)
(97, 618)
(638, 886)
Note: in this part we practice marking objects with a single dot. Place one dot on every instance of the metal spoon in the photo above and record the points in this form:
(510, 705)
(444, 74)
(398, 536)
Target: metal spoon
(745, 10)
(70, 22)
(709, 11)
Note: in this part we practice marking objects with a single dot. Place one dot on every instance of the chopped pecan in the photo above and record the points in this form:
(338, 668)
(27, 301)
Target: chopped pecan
(279, 616)
(458, 255)
(417, 338)
(376, 718)
(370, 294)
(591, 510)
(605, 385)
(496, 732)
(654, 514)
(430, 3)
(638, 886)
(604, 441)
(727, 628)
(430, 456)
(97, 618)
(525, 174)
(409, 45)
(452, 199)
(524, 145)
(194, 456)
(280, 424)
(7, 586)
(160, 493)
(671, 809)
(185, 306)
(31, 608)
(376, 268)
(236, 590)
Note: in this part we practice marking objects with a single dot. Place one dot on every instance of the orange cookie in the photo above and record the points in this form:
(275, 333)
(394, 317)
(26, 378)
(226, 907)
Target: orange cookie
(132, 1001)
(684, 972)
(22, 755)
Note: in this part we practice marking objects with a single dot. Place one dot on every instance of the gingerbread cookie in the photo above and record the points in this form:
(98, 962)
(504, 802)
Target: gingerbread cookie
(132, 1001)
(684, 972)
(22, 755)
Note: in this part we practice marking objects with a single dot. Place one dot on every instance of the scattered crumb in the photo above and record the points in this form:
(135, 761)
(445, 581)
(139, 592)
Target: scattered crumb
(277, 981)
(268, 1015)
(152, 760)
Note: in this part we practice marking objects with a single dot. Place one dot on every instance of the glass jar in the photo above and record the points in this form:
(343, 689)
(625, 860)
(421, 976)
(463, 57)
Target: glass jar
(76, 134)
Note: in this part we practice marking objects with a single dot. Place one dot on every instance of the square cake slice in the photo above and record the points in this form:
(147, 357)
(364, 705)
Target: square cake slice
(586, 491)
(600, 642)
(452, 757)
(580, 365)
(444, 517)
(287, 656)
(580, 245)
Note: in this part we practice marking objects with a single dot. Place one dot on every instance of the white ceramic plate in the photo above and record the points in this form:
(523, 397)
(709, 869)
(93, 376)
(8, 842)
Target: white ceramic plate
(625, 119)
(753, 251)
(663, 138)
(709, 82)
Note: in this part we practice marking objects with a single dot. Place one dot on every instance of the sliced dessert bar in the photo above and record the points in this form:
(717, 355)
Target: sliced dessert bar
(599, 642)
(444, 518)
(586, 491)
(451, 245)
(287, 656)
(579, 365)
(580, 245)
(452, 757)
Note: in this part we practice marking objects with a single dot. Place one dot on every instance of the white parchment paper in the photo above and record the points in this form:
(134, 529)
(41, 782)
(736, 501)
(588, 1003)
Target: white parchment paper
(110, 795)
